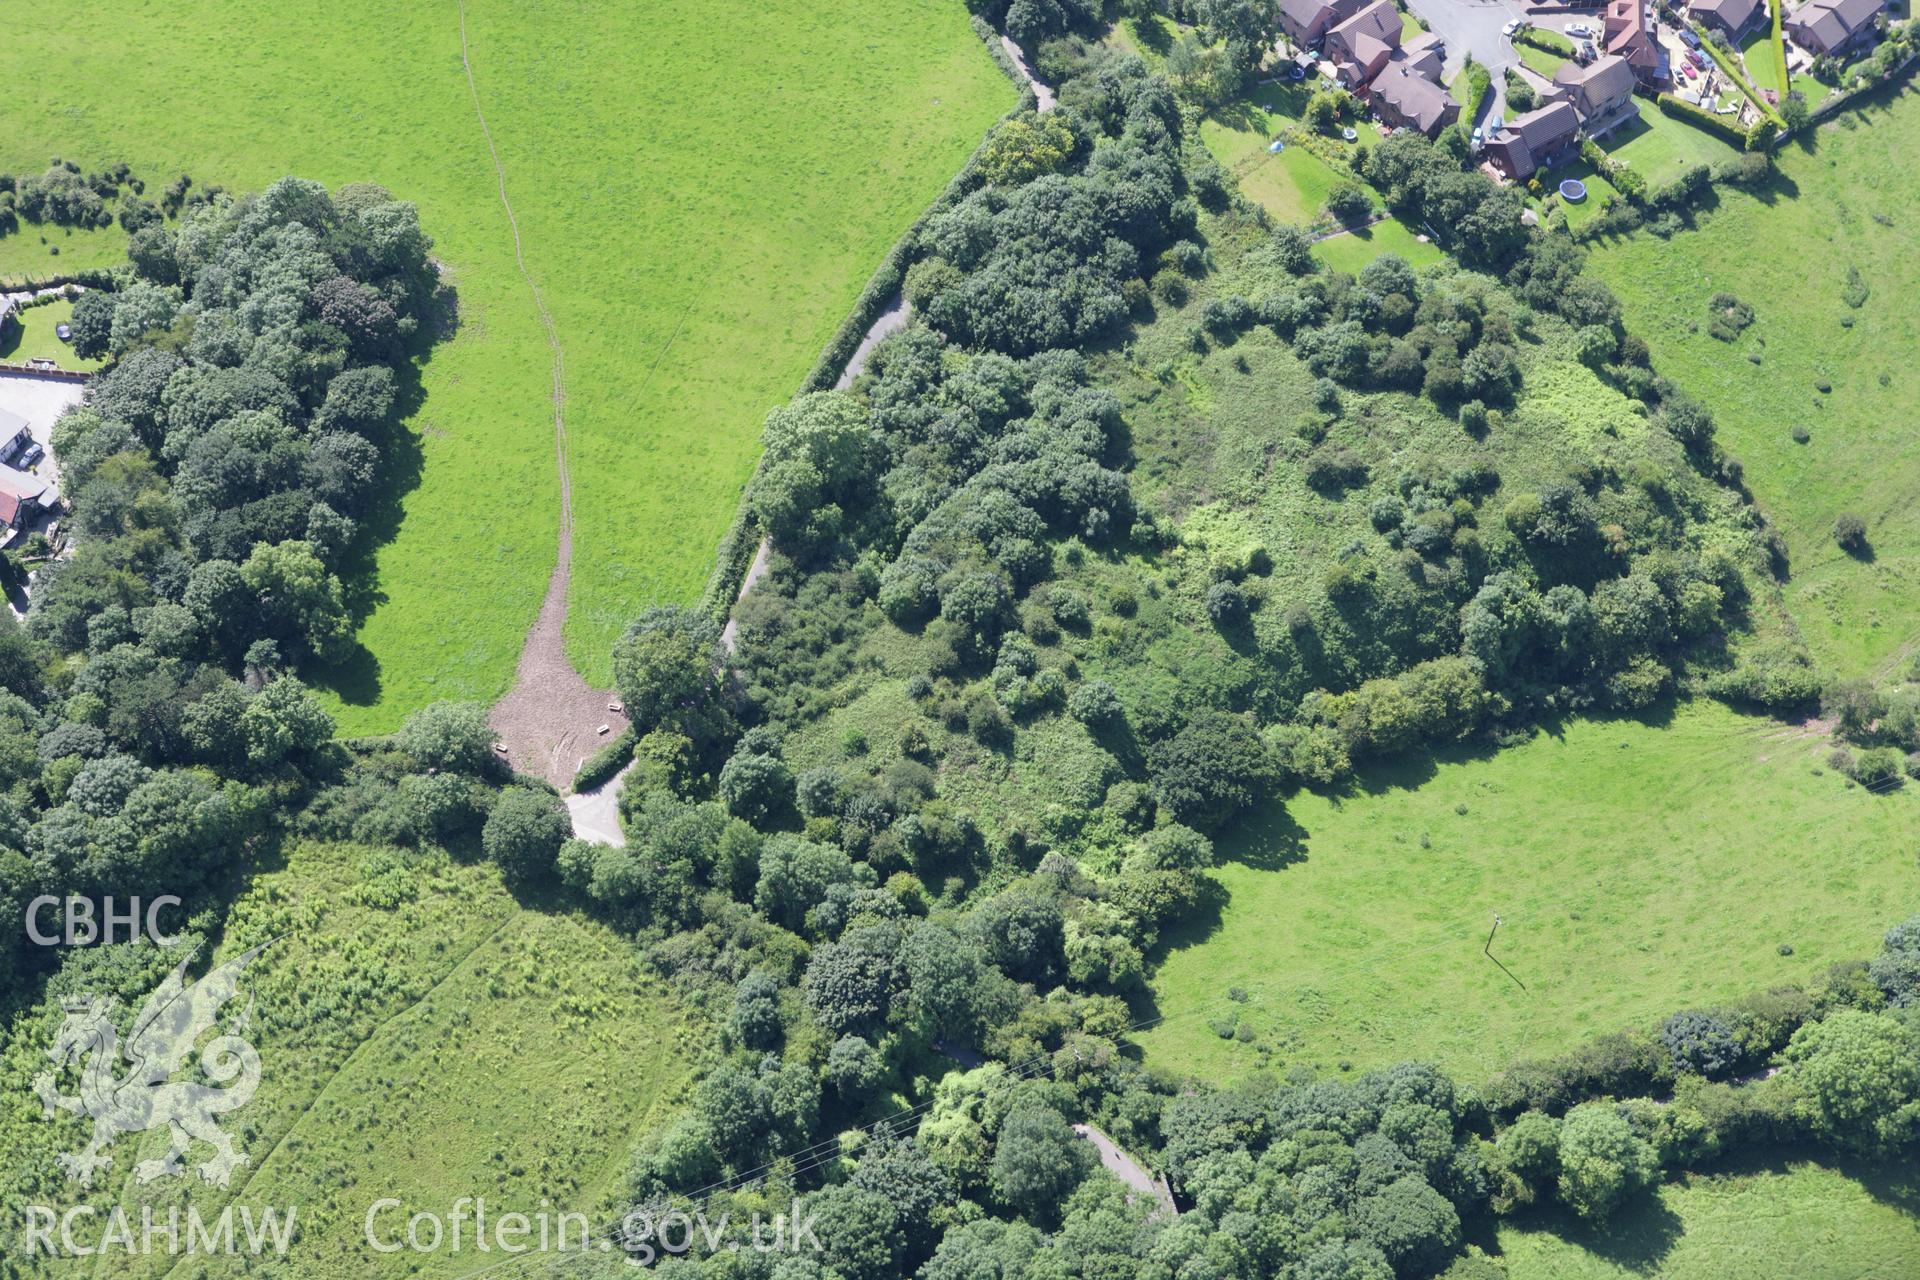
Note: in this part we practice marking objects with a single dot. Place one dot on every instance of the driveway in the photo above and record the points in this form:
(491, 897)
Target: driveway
(40, 401)
(1473, 27)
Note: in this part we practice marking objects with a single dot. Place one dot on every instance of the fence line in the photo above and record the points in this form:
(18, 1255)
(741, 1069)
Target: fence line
(22, 370)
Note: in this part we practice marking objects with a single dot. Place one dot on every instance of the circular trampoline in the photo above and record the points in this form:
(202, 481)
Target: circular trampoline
(1573, 190)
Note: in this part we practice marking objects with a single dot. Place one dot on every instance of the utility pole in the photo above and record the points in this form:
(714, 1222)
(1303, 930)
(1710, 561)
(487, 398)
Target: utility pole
(1488, 951)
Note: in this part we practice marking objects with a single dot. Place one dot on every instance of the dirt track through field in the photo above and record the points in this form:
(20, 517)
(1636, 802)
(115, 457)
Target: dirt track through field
(549, 721)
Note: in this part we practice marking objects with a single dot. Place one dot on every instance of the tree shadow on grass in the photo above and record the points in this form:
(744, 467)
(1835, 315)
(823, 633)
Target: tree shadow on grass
(356, 678)
(1891, 1183)
(1638, 1237)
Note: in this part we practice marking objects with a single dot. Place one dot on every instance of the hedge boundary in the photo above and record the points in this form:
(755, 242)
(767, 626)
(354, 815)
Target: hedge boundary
(609, 760)
(742, 537)
(1734, 73)
(1478, 87)
(1536, 37)
(92, 278)
(1841, 101)
(1672, 106)
(1779, 42)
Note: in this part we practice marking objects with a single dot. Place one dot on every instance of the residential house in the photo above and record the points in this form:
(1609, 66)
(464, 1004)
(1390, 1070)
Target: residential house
(1835, 28)
(1534, 141)
(1600, 93)
(1628, 34)
(1405, 99)
(1307, 21)
(23, 498)
(1733, 17)
(15, 439)
(1360, 47)
(1424, 53)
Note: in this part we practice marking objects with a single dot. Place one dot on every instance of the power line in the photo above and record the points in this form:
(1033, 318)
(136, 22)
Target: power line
(818, 1155)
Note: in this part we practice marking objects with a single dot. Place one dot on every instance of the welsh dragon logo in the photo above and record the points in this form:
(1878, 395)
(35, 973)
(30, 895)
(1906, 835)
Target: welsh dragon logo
(158, 1046)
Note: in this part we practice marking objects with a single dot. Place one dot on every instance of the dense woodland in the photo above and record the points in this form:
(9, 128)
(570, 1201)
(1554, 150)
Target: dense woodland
(1095, 650)
(154, 724)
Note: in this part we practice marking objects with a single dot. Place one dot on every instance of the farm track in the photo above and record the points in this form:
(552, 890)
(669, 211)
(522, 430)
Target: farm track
(547, 721)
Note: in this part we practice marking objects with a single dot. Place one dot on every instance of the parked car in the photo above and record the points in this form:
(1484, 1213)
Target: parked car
(1688, 67)
(1512, 28)
(1689, 39)
(1697, 58)
(1579, 30)
(1479, 139)
(1588, 49)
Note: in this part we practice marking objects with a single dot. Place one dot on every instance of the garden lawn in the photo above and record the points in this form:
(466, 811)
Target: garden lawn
(1788, 1219)
(1638, 869)
(1293, 184)
(701, 193)
(1598, 188)
(1837, 216)
(1663, 147)
(1352, 250)
(1540, 60)
(35, 337)
(1762, 67)
(1242, 129)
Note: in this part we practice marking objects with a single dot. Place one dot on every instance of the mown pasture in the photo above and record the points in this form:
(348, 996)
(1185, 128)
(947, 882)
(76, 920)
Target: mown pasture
(696, 243)
(421, 1036)
(1824, 257)
(1637, 868)
(1791, 1218)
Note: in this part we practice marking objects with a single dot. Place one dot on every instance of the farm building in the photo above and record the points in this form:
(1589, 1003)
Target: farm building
(1533, 141)
(1834, 27)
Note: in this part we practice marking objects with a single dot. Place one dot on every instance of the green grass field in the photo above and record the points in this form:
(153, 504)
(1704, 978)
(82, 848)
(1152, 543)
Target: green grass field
(697, 243)
(35, 337)
(1357, 924)
(1791, 1219)
(29, 253)
(1663, 147)
(422, 1037)
(1838, 213)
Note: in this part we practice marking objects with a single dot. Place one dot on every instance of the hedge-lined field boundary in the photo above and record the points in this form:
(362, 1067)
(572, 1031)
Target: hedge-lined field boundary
(742, 537)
